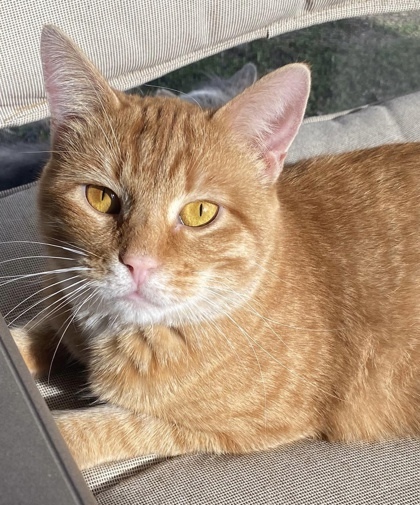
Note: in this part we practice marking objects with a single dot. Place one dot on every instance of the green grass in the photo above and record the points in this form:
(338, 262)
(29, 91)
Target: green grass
(353, 61)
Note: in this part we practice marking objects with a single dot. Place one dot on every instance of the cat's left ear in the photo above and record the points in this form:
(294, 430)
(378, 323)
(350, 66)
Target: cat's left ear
(268, 115)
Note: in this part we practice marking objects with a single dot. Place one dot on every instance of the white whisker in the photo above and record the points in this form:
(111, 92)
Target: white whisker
(48, 272)
(267, 319)
(34, 257)
(62, 301)
(249, 338)
(42, 301)
(73, 316)
(291, 371)
(43, 243)
(176, 91)
(36, 293)
(80, 249)
(102, 129)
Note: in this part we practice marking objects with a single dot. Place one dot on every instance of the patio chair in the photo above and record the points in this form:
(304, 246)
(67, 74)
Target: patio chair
(132, 43)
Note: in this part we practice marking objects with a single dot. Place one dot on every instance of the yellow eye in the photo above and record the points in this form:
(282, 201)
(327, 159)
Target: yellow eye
(198, 213)
(103, 199)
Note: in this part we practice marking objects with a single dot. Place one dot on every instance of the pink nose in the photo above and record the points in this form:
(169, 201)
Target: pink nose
(139, 266)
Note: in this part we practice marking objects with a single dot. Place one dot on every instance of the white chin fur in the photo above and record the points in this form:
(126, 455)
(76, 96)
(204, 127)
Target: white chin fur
(109, 308)
(105, 312)
(119, 313)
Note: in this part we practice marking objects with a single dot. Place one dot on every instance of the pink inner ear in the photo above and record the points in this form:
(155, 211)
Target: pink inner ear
(276, 143)
(53, 90)
(74, 86)
(274, 164)
(268, 115)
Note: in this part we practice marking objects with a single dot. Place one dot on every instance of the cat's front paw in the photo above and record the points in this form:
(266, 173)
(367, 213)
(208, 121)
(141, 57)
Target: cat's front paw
(37, 347)
(33, 354)
(91, 434)
(72, 432)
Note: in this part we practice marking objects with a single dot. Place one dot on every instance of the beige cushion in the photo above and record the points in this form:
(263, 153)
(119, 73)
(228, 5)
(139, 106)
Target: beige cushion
(389, 122)
(135, 41)
(307, 472)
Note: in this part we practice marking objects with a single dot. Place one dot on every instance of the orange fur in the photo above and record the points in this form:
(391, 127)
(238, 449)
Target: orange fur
(308, 326)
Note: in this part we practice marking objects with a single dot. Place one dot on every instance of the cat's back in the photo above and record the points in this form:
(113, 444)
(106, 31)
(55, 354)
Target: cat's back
(367, 200)
(353, 224)
(385, 174)
(356, 217)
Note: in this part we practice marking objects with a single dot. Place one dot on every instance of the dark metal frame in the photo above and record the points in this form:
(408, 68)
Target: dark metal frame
(36, 467)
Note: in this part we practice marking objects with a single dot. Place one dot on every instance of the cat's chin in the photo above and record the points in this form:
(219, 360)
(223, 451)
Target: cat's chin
(135, 307)
(134, 310)
(137, 310)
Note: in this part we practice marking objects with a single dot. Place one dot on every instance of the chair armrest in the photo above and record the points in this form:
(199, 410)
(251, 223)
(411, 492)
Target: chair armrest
(36, 467)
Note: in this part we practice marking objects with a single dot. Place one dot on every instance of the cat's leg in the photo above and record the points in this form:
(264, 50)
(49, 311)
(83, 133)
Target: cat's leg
(107, 433)
(39, 347)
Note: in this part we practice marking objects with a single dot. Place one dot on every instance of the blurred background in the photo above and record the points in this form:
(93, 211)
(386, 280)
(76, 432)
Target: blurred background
(354, 62)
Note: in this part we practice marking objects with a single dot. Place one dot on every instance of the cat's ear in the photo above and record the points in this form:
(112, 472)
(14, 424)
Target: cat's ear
(74, 87)
(268, 115)
(244, 77)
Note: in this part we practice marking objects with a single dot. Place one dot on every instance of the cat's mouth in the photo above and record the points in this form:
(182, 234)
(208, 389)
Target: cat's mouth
(136, 297)
(140, 307)
(139, 300)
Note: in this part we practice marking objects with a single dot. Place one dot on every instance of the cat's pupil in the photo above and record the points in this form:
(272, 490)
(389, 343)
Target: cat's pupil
(201, 209)
(103, 194)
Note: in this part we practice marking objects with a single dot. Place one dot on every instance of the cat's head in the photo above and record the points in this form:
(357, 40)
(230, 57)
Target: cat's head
(173, 210)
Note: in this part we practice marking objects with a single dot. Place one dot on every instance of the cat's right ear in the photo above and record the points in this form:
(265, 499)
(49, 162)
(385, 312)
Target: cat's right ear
(74, 87)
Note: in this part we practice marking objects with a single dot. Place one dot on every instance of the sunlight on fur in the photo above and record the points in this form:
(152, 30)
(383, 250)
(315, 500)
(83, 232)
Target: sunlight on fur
(221, 302)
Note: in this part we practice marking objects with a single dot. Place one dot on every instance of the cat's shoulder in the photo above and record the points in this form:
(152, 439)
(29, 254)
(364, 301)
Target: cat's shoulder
(385, 157)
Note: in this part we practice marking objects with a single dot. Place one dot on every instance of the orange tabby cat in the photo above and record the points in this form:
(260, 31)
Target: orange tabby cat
(219, 302)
